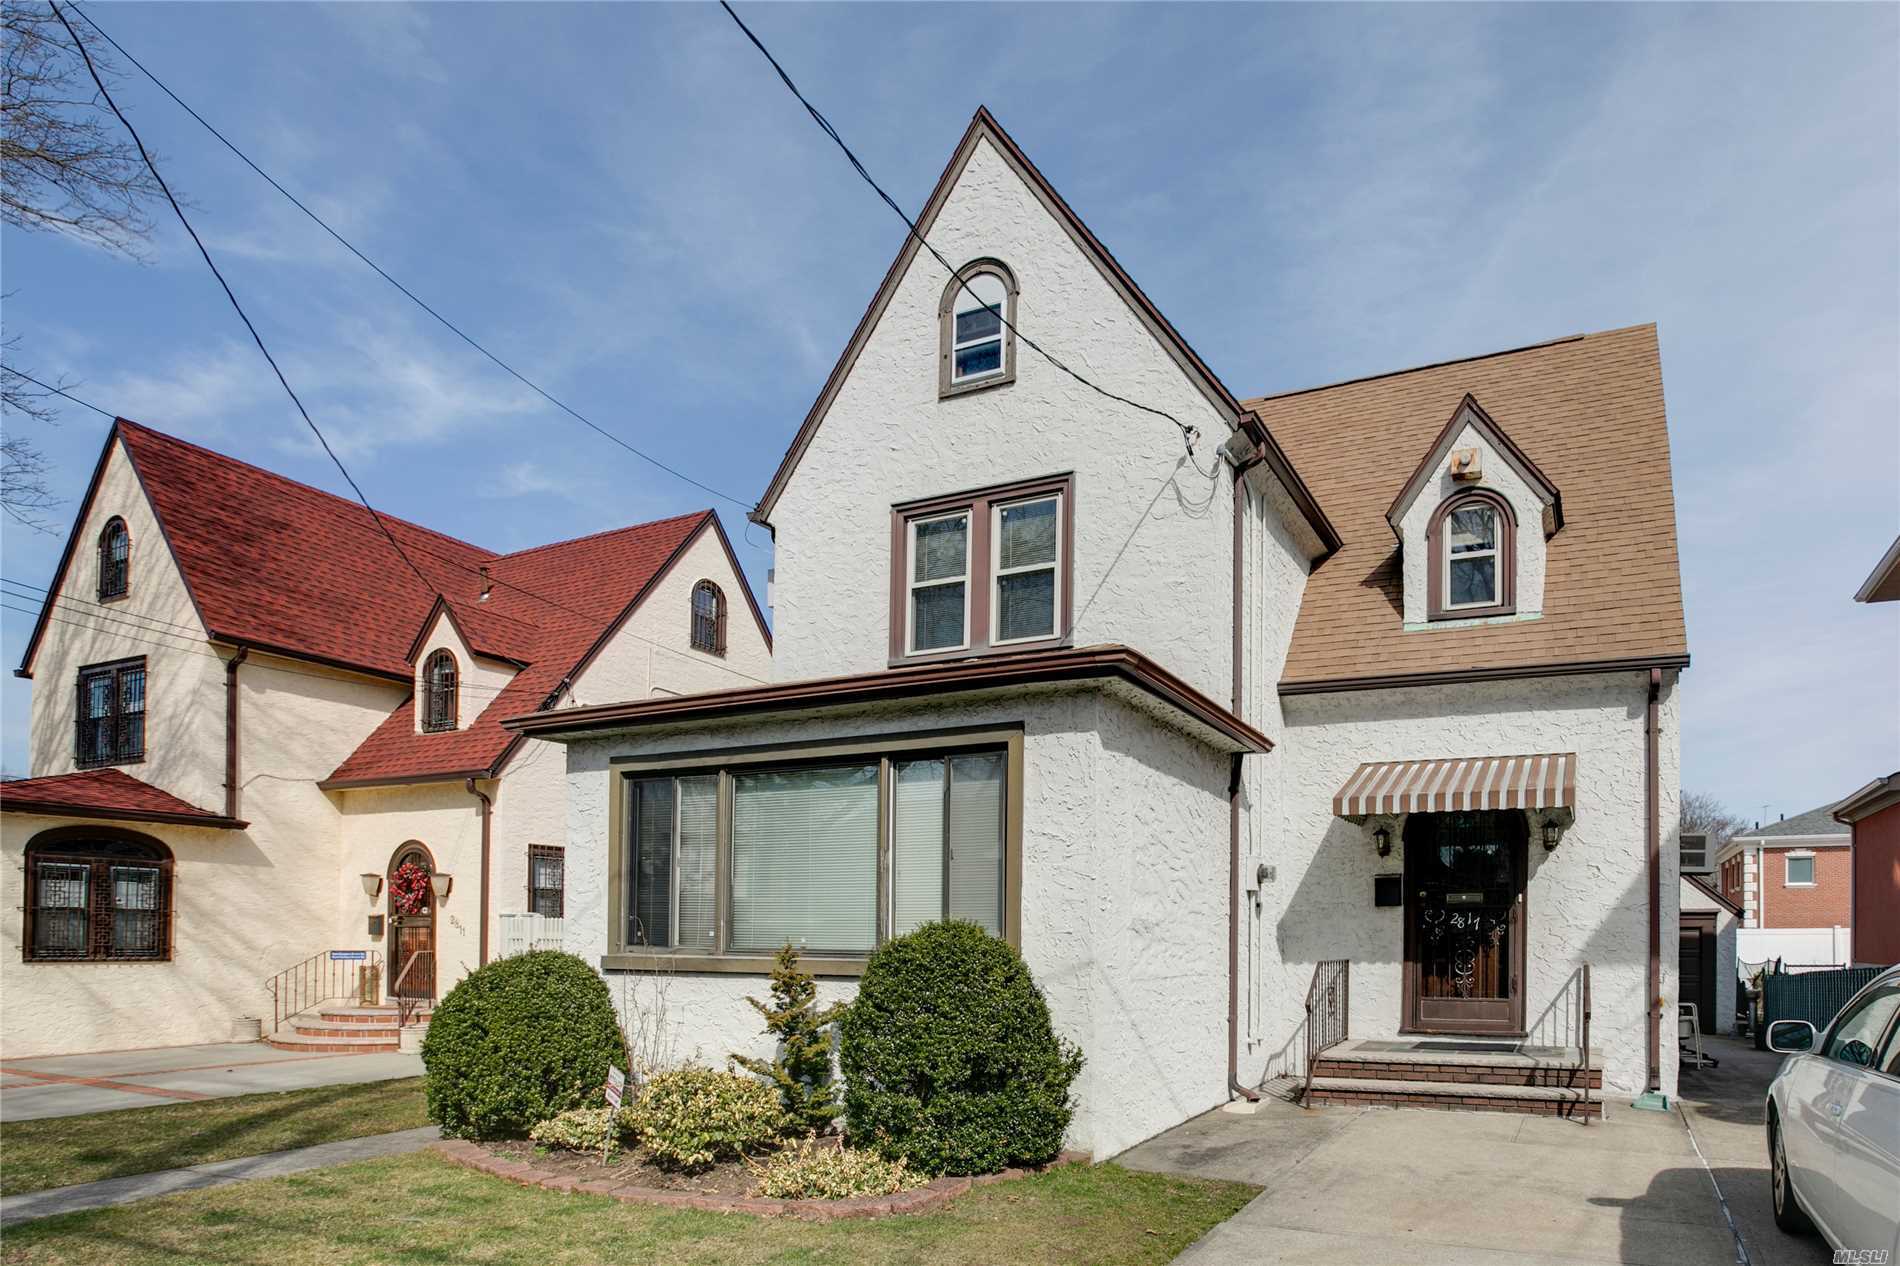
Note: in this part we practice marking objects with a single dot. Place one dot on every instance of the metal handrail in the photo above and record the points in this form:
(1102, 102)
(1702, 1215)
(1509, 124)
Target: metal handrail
(318, 978)
(1586, 1043)
(1326, 1025)
(406, 1008)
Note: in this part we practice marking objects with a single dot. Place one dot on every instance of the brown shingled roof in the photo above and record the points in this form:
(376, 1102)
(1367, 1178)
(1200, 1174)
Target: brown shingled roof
(1589, 411)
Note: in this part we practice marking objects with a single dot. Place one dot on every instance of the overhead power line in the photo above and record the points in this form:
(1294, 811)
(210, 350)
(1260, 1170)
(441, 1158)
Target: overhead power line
(380, 271)
(58, 391)
(1188, 433)
(257, 338)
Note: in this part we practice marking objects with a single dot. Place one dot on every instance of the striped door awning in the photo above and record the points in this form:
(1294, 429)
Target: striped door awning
(1547, 781)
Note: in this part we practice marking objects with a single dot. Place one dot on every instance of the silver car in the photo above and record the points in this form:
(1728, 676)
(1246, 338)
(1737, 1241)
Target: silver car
(1833, 1118)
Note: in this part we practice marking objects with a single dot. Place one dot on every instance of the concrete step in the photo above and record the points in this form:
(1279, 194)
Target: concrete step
(367, 1015)
(1561, 1101)
(387, 1033)
(1451, 1071)
(367, 1045)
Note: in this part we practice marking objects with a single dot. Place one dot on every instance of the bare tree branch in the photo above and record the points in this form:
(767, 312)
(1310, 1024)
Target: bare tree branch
(1704, 814)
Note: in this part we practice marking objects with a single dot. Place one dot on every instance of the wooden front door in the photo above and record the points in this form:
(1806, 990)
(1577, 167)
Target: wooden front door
(1464, 922)
(412, 935)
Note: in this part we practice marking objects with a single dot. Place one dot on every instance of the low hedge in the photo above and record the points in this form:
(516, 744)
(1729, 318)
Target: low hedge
(517, 1042)
(949, 1059)
(691, 1117)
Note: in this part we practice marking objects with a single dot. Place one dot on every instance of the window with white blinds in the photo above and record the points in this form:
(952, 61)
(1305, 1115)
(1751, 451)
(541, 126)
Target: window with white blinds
(833, 856)
(804, 859)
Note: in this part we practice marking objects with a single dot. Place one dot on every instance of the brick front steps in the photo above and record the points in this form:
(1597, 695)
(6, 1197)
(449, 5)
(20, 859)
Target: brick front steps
(343, 1030)
(1545, 1081)
(933, 1195)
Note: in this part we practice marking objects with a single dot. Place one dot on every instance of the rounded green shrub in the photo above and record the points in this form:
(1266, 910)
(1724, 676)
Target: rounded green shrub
(581, 1130)
(691, 1117)
(517, 1042)
(949, 1060)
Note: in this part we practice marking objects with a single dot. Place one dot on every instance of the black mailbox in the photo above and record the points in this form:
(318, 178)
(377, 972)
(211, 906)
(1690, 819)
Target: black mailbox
(1386, 891)
(375, 925)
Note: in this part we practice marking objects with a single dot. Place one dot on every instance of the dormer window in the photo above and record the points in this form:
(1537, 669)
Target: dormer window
(1472, 557)
(709, 618)
(978, 335)
(115, 560)
(438, 692)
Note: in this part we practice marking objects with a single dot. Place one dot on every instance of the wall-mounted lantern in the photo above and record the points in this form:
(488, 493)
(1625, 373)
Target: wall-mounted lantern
(372, 884)
(1382, 841)
(1553, 831)
(441, 883)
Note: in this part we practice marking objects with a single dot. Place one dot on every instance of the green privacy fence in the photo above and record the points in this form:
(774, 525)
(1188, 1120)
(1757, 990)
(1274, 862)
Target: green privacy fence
(1814, 996)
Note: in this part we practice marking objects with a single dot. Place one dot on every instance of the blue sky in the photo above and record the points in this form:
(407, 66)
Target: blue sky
(622, 200)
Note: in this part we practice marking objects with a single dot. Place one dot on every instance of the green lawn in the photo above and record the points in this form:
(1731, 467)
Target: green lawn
(60, 1151)
(421, 1208)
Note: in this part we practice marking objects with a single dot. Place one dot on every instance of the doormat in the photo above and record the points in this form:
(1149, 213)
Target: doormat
(1483, 1048)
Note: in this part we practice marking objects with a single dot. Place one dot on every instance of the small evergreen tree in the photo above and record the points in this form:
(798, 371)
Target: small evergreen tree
(802, 1071)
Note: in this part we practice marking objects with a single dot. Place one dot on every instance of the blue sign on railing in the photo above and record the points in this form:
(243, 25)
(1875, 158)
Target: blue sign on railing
(348, 956)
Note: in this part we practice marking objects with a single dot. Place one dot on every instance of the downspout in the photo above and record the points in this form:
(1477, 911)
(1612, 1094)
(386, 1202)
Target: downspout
(1652, 828)
(487, 812)
(1233, 806)
(231, 731)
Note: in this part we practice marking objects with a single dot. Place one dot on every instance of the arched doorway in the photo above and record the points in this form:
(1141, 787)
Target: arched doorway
(411, 922)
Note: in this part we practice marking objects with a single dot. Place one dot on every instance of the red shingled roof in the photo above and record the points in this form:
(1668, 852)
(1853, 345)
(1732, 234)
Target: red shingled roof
(595, 579)
(105, 793)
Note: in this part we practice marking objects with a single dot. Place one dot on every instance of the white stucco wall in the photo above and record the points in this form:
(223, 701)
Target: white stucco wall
(1498, 476)
(1151, 530)
(1585, 902)
(477, 680)
(1727, 924)
(184, 680)
(375, 823)
(1124, 841)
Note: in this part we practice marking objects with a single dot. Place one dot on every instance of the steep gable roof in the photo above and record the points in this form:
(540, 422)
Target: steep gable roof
(1591, 408)
(984, 127)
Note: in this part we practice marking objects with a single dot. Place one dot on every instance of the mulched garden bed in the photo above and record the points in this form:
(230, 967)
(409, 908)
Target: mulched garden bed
(724, 1188)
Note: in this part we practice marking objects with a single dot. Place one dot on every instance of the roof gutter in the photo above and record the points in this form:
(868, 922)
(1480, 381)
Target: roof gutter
(211, 822)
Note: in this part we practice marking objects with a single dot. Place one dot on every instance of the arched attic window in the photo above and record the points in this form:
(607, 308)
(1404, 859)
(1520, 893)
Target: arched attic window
(115, 559)
(438, 692)
(97, 894)
(709, 618)
(978, 336)
(1472, 540)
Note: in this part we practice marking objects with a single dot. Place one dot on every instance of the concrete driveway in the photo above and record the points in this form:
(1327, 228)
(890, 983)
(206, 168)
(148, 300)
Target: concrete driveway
(1381, 1185)
(66, 1085)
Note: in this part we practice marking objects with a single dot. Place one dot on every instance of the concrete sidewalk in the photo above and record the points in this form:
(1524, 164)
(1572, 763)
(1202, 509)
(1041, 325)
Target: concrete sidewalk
(111, 1191)
(1380, 1185)
(67, 1085)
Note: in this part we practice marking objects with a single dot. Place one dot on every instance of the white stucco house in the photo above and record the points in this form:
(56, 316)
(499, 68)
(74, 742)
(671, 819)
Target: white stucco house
(1185, 697)
(250, 715)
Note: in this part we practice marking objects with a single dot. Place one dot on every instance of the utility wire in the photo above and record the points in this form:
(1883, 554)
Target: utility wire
(17, 373)
(1188, 433)
(410, 294)
(179, 211)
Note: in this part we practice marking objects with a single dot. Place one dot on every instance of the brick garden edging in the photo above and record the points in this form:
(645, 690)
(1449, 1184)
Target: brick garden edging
(933, 1195)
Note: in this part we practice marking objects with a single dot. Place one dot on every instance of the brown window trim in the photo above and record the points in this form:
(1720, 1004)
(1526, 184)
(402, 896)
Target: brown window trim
(450, 717)
(558, 853)
(718, 644)
(76, 846)
(125, 578)
(946, 329)
(115, 667)
(883, 748)
(980, 503)
(1506, 556)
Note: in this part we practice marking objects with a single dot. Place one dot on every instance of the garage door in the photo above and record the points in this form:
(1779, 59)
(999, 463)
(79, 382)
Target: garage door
(1696, 961)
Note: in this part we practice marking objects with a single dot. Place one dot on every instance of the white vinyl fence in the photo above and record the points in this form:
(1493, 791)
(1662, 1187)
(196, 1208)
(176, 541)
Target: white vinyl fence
(523, 932)
(1797, 947)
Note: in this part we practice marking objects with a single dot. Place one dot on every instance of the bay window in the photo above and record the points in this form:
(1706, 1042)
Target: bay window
(982, 570)
(720, 859)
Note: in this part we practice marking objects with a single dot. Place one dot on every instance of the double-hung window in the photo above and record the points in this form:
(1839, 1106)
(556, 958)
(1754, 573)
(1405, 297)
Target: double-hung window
(547, 880)
(983, 570)
(978, 323)
(1470, 552)
(110, 714)
(832, 850)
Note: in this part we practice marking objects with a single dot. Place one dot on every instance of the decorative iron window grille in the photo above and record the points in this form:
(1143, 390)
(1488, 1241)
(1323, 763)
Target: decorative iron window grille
(709, 618)
(438, 692)
(110, 714)
(115, 556)
(547, 880)
(98, 900)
